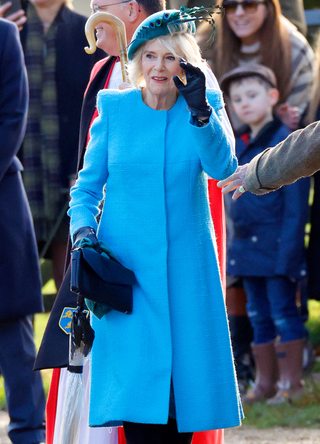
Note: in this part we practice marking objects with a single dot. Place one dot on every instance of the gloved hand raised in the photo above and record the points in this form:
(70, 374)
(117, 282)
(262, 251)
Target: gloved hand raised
(89, 233)
(194, 91)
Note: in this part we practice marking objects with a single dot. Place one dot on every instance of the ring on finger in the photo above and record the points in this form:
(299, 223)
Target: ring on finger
(241, 189)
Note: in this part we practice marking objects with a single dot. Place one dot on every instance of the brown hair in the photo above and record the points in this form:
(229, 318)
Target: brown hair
(275, 47)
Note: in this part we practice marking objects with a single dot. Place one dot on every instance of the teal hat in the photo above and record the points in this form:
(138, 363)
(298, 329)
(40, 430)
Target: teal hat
(167, 22)
(156, 25)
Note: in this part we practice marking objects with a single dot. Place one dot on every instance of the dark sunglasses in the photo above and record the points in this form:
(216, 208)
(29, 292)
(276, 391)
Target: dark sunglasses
(249, 6)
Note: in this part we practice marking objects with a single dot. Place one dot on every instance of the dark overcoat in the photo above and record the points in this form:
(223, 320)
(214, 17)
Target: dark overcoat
(266, 233)
(20, 280)
(72, 75)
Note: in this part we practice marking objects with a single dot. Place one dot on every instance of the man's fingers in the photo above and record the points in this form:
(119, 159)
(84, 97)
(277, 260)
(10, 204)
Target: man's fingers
(21, 21)
(4, 8)
(236, 194)
(16, 15)
(224, 182)
(231, 186)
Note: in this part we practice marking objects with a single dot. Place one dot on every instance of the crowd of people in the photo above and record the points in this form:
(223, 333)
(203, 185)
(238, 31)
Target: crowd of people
(153, 152)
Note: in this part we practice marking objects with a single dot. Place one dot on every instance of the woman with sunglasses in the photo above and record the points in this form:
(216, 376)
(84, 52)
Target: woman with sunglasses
(256, 31)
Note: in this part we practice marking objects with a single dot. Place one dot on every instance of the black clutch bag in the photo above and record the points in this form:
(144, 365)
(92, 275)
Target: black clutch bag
(101, 279)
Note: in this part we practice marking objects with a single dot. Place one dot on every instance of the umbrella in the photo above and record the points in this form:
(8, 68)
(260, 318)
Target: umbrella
(81, 340)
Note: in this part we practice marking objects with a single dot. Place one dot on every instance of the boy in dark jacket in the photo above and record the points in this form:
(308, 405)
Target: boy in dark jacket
(266, 242)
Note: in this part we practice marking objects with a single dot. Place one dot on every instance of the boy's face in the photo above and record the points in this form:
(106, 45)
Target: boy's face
(252, 101)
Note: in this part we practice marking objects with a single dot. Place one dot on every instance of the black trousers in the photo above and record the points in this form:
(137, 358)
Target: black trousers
(137, 433)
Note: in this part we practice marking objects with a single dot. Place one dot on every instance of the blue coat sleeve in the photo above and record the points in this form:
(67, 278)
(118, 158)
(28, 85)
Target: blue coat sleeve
(13, 96)
(87, 193)
(291, 255)
(212, 144)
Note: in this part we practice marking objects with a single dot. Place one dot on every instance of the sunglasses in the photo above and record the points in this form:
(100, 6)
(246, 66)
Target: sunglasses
(249, 6)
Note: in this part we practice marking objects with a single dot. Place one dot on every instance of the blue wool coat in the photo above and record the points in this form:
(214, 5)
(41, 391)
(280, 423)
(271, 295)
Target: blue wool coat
(266, 233)
(156, 219)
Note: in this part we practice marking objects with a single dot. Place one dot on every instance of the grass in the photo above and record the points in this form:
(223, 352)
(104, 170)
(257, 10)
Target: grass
(303, 413)
(313, 323)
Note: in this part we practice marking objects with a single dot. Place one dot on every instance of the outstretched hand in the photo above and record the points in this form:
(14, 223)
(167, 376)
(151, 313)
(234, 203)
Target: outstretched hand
(235, 182)
(194, 91)
(18, 17)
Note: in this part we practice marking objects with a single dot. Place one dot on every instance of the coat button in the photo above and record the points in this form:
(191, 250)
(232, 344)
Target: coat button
(303, 272)
(232, 262)
(254, 239)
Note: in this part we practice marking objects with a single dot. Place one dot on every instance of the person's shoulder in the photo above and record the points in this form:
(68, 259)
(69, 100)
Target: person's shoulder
(9, 35)
(110, 98)
(8, 27)
(97, 66)
(117, 94)
(296, 38)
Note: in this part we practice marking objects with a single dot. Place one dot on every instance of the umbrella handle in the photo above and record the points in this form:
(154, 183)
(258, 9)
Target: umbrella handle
(80, 302)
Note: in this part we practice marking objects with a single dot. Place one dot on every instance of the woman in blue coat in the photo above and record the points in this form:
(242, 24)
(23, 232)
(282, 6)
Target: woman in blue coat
(172, 356)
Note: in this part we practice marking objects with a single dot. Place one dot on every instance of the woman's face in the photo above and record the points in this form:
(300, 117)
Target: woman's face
(159, 66)
(246, 25)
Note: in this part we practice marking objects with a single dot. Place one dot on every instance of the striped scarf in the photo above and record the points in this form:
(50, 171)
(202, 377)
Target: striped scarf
(40, 148)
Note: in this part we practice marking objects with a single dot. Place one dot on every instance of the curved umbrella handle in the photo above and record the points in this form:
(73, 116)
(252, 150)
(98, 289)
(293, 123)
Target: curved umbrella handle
(120, 31)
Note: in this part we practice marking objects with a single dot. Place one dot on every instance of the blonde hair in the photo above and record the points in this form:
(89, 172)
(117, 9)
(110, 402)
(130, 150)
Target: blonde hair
(179, 44)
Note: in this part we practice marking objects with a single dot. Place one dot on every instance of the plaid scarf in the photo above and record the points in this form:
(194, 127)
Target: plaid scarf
(40, 148)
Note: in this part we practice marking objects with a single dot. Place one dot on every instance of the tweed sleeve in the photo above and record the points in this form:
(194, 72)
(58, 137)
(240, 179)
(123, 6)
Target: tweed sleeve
(212, 142)
(87, 193)
(297, 156)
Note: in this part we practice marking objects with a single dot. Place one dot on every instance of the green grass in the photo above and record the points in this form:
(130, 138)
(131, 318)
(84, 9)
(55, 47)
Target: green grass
(305, 413)
(313, 323)
(49, 288)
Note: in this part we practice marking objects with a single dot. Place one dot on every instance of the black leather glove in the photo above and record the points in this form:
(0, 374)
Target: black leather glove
(89, 233)
(194, 91)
